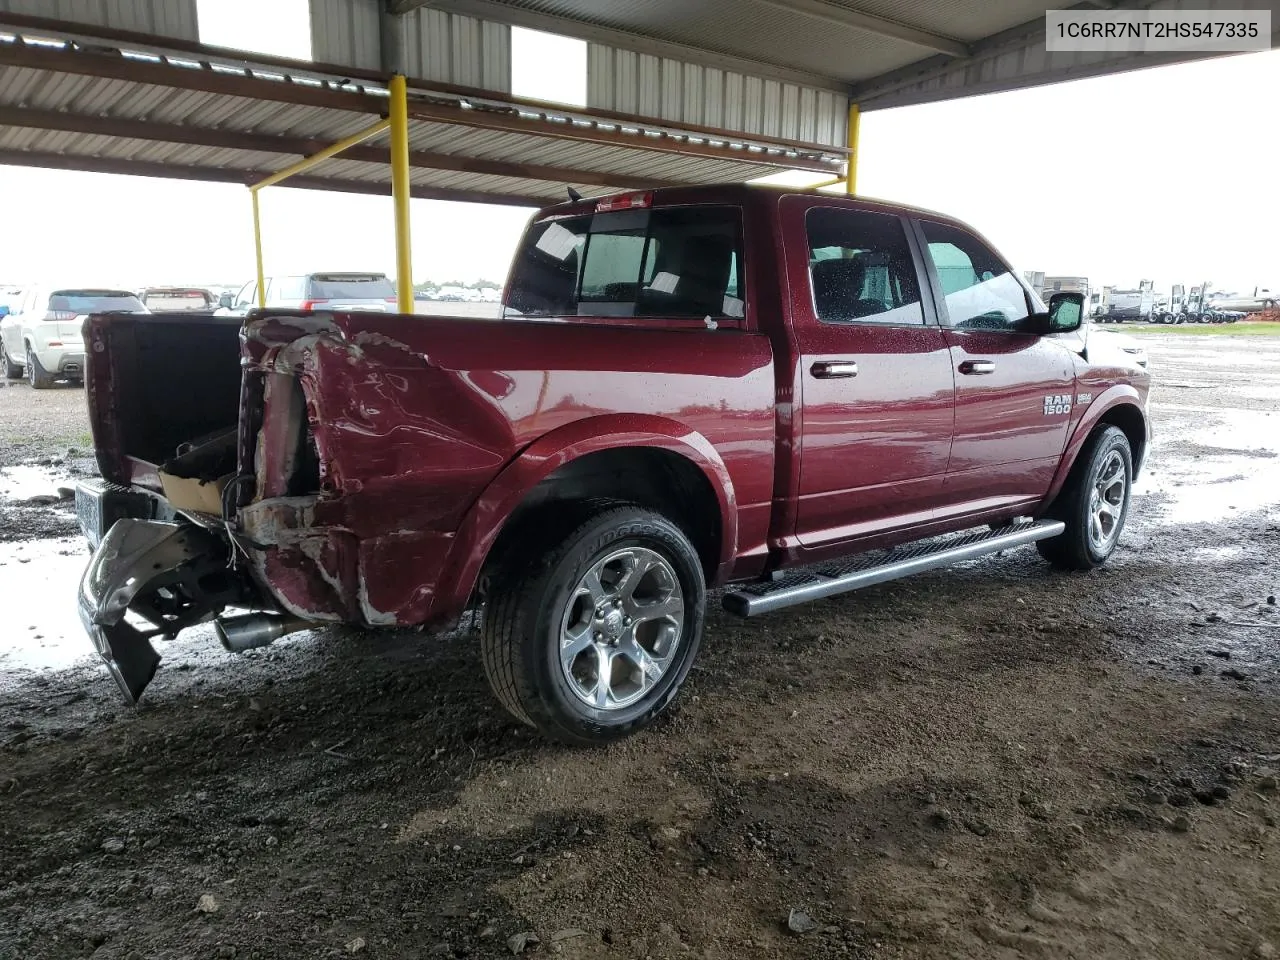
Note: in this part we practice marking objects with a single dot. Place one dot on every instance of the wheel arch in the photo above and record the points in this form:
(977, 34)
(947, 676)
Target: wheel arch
(656, 462)
(1121, 407)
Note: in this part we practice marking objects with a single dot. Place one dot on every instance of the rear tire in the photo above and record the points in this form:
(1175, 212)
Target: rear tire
(593, 622)
(37, 375)
(12, 371)
(1093, 503)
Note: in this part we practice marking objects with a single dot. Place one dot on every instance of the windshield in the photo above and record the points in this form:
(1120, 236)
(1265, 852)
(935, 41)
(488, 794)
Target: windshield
(94, 301)
(336, 286)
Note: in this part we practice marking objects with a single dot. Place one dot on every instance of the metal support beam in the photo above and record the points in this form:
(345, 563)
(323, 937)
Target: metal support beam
(400, 193)
(851, 169)
(306, 163)
(257, 250)
(50, 160)
(303, 165)
(391, 39)
(849, 17)
(31, 118)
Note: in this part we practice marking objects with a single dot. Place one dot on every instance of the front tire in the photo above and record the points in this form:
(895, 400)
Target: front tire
(12, 371)
(592, 627)
(1093, 503)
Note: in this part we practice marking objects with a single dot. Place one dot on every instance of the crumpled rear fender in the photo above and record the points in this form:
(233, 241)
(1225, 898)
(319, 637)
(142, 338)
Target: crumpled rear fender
(489, 514)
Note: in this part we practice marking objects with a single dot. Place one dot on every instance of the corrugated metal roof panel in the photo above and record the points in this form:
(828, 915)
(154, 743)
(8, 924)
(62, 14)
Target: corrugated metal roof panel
(345, 32)
(749, 30)
(160, 18)
(439, 46)
(686, 93)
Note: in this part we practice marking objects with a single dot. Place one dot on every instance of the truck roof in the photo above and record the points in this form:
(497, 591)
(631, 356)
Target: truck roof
(744, 194)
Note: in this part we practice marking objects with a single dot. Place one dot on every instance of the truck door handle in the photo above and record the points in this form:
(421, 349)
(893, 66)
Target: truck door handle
(975, 367)
(834, 369)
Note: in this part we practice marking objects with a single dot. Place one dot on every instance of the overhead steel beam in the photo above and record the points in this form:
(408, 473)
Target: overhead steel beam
(497, 12)
(850, 17)
(35, 119)
(504, 117)
(166, 171)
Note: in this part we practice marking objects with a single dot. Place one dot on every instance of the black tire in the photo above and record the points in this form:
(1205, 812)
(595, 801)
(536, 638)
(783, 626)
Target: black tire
(12, 370)
(37, 375)
(1074, 548)
(530, 594)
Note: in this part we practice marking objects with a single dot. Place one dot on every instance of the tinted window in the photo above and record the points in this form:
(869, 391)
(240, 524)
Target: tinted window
(673, 262)
(340, 286)
(981, 291)
(861, 268)
(94, 301)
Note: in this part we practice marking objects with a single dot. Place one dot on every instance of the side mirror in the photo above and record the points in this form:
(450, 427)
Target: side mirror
(1066, 312)
(226, 300)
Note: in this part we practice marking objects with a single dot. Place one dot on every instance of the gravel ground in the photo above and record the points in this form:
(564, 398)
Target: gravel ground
(992, 761)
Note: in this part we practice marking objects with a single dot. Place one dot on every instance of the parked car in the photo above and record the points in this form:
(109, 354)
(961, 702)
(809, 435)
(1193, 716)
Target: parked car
(316, 291)
(41, 336)
(196, 299)
(690, 387)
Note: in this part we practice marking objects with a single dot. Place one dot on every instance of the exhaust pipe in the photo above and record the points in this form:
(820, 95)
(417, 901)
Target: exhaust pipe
(252, 630)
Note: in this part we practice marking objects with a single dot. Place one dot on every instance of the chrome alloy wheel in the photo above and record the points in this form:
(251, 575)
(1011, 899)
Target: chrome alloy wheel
(1107, 501)
(621, 628)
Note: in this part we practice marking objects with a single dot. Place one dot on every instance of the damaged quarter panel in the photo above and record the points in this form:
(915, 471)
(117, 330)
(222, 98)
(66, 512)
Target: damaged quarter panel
(380, 433)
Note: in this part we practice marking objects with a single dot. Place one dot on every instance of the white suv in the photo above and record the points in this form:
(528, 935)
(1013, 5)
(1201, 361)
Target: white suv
(317, 291)
(41, 337)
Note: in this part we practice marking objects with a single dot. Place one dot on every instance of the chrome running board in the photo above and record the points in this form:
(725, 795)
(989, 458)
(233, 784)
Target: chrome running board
(814, 583)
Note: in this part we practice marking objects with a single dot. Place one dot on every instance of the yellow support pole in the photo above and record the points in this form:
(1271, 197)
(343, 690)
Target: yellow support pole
(851, 171)
(257, 250)
(306, 163)
(400, 193)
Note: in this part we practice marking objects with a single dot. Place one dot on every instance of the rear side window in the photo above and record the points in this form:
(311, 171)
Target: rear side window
(861, 268)
(671, 262)
(981, 292)
(93, 301)
(350, 286)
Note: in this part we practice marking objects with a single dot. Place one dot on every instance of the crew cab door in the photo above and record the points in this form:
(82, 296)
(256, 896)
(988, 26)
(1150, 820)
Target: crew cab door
(1015, 390)
(874, 383)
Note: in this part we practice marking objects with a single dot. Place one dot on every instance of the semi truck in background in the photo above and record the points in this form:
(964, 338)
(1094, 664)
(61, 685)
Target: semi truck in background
(1135, 304)
(1195, 305)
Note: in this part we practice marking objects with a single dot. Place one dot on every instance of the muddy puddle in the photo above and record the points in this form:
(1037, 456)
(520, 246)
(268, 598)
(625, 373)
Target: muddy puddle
(42, 629)
(1206, 467)
(20, 483)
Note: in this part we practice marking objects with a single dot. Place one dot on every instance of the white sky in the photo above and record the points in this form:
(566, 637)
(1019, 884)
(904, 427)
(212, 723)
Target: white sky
(1166, 174)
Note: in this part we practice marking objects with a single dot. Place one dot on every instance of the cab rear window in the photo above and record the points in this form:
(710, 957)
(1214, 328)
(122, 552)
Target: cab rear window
(351, 287)
(94, 301)
(669, 262)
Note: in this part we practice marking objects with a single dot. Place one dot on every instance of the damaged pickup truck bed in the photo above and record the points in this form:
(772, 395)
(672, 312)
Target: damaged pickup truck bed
(791, 392)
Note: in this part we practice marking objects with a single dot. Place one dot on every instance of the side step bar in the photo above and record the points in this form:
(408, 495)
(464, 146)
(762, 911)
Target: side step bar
(814, 583)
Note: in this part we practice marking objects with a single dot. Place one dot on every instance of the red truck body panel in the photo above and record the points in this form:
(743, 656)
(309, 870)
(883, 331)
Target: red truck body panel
(430, 433)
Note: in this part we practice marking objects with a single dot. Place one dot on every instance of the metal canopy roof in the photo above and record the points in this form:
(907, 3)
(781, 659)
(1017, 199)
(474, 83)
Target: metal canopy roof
(98, 99)
(678, 91)
(879, 52)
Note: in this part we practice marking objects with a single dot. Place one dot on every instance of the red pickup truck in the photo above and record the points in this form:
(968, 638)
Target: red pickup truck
(788, 394)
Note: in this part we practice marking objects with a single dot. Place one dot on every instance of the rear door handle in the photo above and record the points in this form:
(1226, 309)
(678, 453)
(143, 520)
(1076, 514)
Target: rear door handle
(975, 367)
(834, 369)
